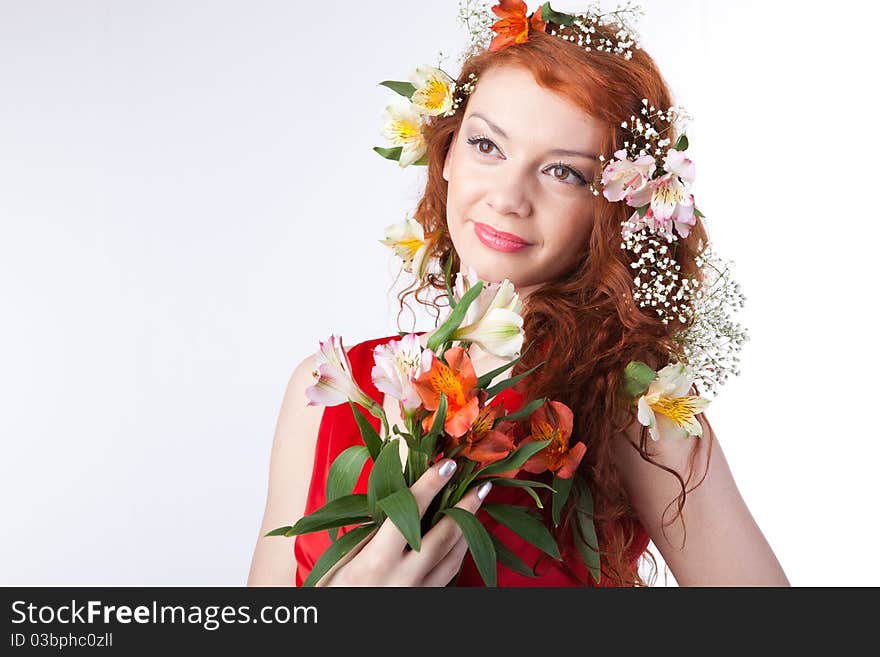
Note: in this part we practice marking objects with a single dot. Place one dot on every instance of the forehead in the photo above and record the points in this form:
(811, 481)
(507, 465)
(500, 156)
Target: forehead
(511, 98)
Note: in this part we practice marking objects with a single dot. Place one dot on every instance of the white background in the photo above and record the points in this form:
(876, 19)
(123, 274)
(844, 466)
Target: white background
(189, 202)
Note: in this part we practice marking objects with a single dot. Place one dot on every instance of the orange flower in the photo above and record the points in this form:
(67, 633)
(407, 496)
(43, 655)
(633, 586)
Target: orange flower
(458, 380)
(482, 443)
(554, 424)
(513, 26)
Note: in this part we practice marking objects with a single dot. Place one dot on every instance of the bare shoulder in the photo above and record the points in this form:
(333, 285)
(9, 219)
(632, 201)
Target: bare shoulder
(714, 540)
(290, 469)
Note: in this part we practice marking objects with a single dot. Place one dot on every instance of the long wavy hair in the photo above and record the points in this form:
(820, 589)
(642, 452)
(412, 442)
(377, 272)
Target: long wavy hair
(586, 318)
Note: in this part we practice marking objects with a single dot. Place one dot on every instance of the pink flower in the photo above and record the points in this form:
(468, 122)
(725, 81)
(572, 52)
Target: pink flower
(335, 383)
(677, 162)
(623, 178)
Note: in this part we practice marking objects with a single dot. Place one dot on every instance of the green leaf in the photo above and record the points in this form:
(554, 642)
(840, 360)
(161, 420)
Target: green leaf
(524, 412)
(479, 542)
(446, 329)
(447, 277)
(550, 16)
(430, 439)
(403, 510)
(336, 551)
(422, 161)
(681, 144)
(637, 377)
(386, 477)
(509, 558)
(345, 471)
(338, 513)
(281, 531)
(524, 484)
(512, 381)
(520, 521)
(516, 459)
(698, 213)
(405, 89)
(563, 488)
(368, 433)
(486, 379)
(585, 538)
(643, 210)
(389, 153)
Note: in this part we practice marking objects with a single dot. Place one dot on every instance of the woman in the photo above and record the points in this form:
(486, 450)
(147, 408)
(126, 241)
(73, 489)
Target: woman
(510, 195)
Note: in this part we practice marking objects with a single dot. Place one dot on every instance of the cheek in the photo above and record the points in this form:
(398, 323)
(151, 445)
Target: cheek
(573, 234)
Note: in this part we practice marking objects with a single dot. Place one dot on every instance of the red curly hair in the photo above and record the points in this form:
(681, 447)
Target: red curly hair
(586, 317)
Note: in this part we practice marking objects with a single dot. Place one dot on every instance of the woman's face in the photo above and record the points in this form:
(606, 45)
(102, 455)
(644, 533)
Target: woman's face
(519, 204)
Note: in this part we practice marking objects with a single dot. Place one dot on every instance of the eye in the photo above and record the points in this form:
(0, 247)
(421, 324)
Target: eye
(479, 142)
(570, 175)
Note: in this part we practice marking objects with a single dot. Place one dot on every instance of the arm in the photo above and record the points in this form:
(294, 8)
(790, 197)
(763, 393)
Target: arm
(723, 546)
(290, 471)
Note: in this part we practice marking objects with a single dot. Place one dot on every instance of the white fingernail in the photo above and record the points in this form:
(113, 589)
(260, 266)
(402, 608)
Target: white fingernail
(447, 468)
(483, 490)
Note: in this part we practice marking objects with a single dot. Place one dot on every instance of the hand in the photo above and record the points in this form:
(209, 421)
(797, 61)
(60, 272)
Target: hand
(383, 558)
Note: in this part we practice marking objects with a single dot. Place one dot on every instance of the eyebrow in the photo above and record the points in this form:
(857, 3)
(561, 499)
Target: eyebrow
(555, 151)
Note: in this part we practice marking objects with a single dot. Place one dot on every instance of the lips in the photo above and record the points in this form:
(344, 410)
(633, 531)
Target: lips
(498, 239)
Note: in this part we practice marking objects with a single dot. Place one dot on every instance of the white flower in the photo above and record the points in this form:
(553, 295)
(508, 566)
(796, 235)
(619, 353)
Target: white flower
(434, 90)
(402, 126)
(335, 383)
(493, 320)
(397, 364)
(408, 242)
(666, 408)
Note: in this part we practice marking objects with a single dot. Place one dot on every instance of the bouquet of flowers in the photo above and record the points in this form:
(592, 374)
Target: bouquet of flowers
(446, 412)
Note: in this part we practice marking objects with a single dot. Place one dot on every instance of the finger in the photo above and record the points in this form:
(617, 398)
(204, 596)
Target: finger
(441, 539)
(389, 538)
(351, 554)
(448, 565)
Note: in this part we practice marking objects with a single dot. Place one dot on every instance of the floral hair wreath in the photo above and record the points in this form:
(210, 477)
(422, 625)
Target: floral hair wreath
(650, 174)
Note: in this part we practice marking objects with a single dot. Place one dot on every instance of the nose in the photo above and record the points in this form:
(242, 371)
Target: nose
(509, 194)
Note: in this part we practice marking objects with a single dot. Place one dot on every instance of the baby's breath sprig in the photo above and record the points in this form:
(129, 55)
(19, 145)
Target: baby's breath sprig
(477, 18)
(652, 131)
(659, 283)
(581, 28)
(711, 343)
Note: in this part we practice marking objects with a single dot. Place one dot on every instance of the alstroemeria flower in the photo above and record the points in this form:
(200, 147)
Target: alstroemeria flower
(335, 383)
(434, 90)
(397, 363)
(482, 443)
(683, 220)
(402, 126)
(408, 242)
(671, 202)
(667, 409)
(494, 319)
(624, 178)
(513, 26)
(677, 162)
(558, 456)
(458, 381)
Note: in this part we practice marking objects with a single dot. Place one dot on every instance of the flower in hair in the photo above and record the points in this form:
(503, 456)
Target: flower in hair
(402, 126)
(623, 178)
(433, 95)
(513, 26)
(667, 409)
(409, 243)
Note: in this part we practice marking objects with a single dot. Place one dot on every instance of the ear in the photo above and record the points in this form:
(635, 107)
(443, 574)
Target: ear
(447, 163)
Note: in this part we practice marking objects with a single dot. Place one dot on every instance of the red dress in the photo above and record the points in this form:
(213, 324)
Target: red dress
(338, 431)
